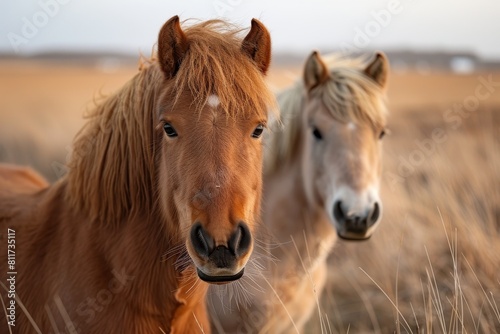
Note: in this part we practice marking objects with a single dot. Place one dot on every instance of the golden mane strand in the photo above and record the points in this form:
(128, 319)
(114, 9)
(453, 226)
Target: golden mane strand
(349, 95)
(112, 163)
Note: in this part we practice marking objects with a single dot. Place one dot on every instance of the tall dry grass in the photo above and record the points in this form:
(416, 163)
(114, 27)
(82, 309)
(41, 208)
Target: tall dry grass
(434, 264)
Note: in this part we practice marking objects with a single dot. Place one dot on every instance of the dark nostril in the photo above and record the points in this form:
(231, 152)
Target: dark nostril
(374, 215)
(337, 211)
(202, 242)
(234, 240)
(240, 240)
(351, 222)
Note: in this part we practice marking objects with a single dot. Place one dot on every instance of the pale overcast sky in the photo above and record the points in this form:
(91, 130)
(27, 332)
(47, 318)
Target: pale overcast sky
(132, 25)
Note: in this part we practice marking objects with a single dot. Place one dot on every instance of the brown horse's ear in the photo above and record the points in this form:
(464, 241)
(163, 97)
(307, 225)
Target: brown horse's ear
(172, 47)
(257, 45)
(378, 69)
(315, 71)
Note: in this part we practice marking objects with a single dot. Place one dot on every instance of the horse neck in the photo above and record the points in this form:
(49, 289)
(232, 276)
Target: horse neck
(145, 240)
(296, 221)
(132, 250)
(168, 289)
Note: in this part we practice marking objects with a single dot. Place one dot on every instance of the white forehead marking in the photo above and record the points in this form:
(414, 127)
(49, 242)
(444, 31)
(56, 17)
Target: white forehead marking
(351, 126)
(213, 101)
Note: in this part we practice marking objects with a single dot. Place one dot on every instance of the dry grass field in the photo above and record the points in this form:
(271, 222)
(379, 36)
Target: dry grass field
(434, 264)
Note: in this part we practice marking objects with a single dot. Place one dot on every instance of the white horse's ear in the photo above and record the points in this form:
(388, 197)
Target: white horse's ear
(172, 47)
(315, 71)
(378, 69)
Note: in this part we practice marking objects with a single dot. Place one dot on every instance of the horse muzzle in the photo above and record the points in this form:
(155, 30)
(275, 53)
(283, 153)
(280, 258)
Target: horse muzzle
(222, 263)
(355, 227)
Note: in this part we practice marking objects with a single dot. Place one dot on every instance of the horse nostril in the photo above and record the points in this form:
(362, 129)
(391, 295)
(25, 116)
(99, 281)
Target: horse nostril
(351, 222)
(374, 215)
(202, 242)
(337, 211)
(240, 240)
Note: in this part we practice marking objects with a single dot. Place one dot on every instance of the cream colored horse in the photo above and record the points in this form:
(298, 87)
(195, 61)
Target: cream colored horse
(322, 175)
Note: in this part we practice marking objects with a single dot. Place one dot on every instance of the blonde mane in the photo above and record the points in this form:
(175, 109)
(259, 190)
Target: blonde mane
(112, 168)
(349, 95)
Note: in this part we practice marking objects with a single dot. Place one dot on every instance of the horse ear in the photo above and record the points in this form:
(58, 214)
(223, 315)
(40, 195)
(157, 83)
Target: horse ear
(257, 45)
(378, 69)
(315, 71)
(172, 47)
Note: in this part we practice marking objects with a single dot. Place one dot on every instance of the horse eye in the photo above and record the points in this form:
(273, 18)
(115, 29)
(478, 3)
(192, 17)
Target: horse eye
(317, 134)
(258, 131)
(381, 135)
(169, 130)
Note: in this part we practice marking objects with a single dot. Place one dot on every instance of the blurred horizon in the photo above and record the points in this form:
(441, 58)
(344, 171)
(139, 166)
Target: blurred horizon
(65, 26)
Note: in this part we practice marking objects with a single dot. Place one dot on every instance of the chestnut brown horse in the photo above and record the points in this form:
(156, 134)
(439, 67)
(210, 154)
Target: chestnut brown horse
(162, 195)
(322, 176)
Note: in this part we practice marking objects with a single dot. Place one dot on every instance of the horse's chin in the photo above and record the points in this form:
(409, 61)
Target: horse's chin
(219, 279)
(349, 236)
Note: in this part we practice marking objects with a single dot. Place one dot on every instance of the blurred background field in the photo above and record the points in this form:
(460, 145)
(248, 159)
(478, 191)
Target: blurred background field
(452, 192)
(434, 264)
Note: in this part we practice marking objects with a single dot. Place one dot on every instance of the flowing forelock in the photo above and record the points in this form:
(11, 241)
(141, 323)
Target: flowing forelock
(215, 64)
